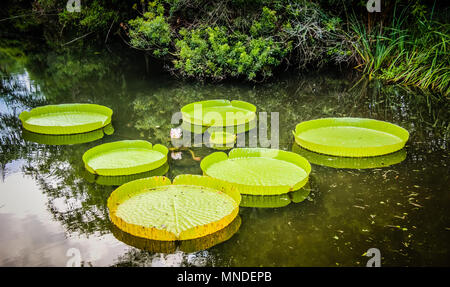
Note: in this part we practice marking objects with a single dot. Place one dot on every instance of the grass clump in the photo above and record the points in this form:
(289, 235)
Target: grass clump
(397, 53)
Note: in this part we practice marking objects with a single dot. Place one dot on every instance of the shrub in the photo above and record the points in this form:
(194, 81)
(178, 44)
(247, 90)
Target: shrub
(215, 53)
(217, 39)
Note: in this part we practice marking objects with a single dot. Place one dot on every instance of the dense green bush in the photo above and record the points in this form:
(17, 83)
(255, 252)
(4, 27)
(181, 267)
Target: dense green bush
(151, 31)
(238, 39)
(213, 53)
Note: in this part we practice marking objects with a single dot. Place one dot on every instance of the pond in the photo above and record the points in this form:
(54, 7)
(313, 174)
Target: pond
(50, 210)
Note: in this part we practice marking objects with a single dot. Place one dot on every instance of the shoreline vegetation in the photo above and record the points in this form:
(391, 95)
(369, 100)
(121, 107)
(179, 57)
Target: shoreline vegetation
(406, 43)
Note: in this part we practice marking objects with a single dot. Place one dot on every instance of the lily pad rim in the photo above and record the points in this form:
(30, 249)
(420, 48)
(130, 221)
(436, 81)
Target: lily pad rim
(120, 145)
(217, 102)
(65, 130)
(337, 150)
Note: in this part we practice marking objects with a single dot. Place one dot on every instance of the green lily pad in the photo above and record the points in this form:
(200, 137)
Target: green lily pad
(124, 157)
(218, 113)
(66, 118)
(188, 246)
(222, 140)
(351, 162)
(350, 137)
(258, 171)
(67, 139)
(192, 207)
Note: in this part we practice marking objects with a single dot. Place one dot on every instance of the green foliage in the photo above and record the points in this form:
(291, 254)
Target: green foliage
(316, 37)
(213, 53)
(265, 24)
(399, 54)
(151, 32)
(237, 39)
(93, 16)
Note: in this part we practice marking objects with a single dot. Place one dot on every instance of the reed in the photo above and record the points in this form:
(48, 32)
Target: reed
(409, 51)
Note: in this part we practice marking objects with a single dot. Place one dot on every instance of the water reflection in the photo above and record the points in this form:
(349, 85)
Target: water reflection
(67, 139)
(119, 180)
(351, 162)
(275, 201)
(187, 246)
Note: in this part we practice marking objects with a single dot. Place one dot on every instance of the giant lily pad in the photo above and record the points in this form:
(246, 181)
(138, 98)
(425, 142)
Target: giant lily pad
(67, 139)
(66, 118)
(351, 162)
(218, 113)
(222, 140)
(188, 246)
(192, 207)
(350, 137)
(258, 171)
(124, 157)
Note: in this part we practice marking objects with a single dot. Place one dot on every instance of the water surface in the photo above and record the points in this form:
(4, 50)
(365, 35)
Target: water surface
(48, 205)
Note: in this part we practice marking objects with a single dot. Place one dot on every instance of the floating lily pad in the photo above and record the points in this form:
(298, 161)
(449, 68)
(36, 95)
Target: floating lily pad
(218, 113)
(121, 179)
(222, 140)
(188, 246)
(67, 139)
(124, 157)
(258, 171)
(351, 162)
(193, 206)
(66, 118)
(350, 137)
(275, 201)
(200, 135)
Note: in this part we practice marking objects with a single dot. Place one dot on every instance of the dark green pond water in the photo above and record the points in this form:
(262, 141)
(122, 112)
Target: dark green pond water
(49, 208)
